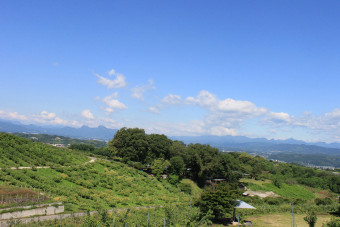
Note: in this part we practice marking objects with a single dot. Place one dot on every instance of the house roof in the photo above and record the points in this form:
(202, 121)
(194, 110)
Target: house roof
(243, 205)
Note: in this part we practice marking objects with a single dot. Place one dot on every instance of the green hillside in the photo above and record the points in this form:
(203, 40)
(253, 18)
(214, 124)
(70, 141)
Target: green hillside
(81, 185)
(16, 151)
(98, 185)
(103, 184)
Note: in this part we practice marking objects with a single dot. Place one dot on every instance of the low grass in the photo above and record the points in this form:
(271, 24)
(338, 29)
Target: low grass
(289, 191)
(284, 220)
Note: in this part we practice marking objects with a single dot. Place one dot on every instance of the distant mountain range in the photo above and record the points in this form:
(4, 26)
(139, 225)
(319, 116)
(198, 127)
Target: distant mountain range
(243, 141)
(84, 132)
(227, 143)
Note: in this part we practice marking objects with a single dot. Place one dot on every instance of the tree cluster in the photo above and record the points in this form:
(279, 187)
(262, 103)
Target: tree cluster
(195, 161)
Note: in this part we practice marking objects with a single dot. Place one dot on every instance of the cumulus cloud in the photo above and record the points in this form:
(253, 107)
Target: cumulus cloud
(48, 116)
(228, 106)
(172, 99)
(87, 114)
(224, 116)
(111, 72)
(12, 116)
(154, 109)
(222, 131)
(113, 103)
(138, 91)
(185, 129)
(278, 118)
(117, 82)
(168, 100)
(43, 118)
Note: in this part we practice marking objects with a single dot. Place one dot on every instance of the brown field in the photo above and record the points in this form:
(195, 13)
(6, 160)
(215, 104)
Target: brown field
(16, 196)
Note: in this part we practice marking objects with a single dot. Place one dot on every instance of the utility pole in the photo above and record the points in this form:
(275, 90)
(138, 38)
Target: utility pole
(293, 215)
(113, 218)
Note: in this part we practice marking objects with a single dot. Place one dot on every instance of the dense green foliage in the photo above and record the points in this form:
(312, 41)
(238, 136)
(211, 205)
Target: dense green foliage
(200, 161)
(16, 151)
(311, 218)
(217, 200)
(203, 162)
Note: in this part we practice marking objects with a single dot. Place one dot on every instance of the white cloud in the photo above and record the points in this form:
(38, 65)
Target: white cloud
(12, 116)
(138, 91)
(113, 103)
(329, 122)
(111, 72)
(229, 106)
(240, 107)
(117, 82)
(203, 99)
(334, 115)
(224, 116)
(222, 131)
(278, 118)
(47, 116)
(154, 109)
(87, 114)
(174, 129)
(43, 118)
(172, 99)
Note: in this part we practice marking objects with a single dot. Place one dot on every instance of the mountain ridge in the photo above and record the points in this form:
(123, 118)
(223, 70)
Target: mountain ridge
(84, 132)
(222, 142)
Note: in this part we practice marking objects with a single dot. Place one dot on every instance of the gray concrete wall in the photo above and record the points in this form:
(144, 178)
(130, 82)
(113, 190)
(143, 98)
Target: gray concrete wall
(36, 211)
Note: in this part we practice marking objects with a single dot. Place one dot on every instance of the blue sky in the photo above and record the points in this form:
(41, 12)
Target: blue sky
(255, 68)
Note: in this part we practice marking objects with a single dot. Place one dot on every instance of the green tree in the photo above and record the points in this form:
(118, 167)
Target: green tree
(177, 148)
(218, 199)
(311, 218)
(159, 166)
(130, 144)
(177, 165)
(158, 147)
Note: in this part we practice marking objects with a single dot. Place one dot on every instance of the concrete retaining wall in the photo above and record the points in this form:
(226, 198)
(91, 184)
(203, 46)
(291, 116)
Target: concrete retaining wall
(56, 209)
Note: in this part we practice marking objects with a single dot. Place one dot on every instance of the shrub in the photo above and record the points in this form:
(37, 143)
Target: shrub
(334, 222)
(173, 179)
(325, 201)
(311, 218)
(186, 188)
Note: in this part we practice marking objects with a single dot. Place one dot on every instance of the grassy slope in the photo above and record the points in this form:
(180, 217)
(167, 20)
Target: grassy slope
(99, 185)
(288, 191)
(91, 186)
(17, 151)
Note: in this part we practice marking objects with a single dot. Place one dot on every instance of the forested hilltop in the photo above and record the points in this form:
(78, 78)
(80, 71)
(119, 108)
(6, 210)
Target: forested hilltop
(202, 162)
